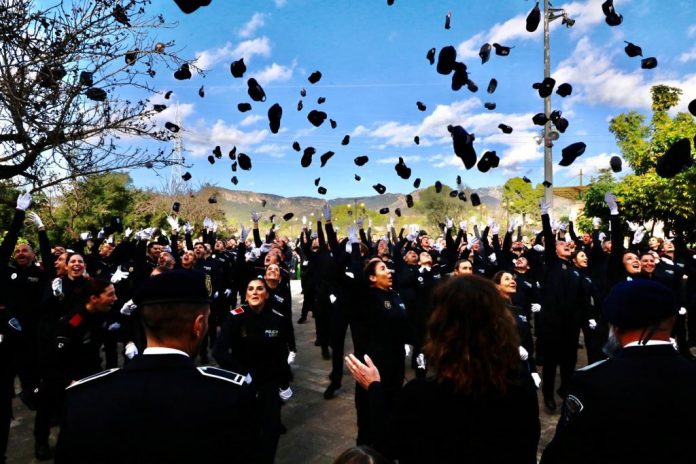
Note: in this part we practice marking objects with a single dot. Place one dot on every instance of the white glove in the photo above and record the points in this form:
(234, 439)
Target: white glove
(86, 236)
(682, 311)
(472, 220)
(114, 326)
(535, 307)
(255, 217)
(213, 225)
(188, 228)
(57, 286)
(592, 324)
(35, 219)
(285, 394)
(537, 379)
(146, 234)
(304, 221)
(243, 234)
(538, 248)
(228, 292)
(638, 235)
(131, 350)
(495, 229)
(265, 248)
(332, 298)
(127, 233)
(119, 275)
(632, 226)
(360, 222)
(449, 224)
(462, 225)
(369, 222)
(563, 226)
(524, 355)
(596, 222)
(326, 211)
(492, 258)
(407, 349)
(23, 201)
(511, 227)
(420, 361)
(352, 234)
(471, 243)
(554, 226)
(173, 223)
(610, 200)
(128, 308)
(216, 295)
(291, 357)
(601, 236)
(100, 234)
(411, 237)
(545, 207)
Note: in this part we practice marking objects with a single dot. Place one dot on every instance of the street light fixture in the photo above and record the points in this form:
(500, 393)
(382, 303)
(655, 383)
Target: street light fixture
(550, 14)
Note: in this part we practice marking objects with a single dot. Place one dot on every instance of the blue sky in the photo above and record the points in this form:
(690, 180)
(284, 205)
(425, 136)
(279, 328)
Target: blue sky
(372, 57)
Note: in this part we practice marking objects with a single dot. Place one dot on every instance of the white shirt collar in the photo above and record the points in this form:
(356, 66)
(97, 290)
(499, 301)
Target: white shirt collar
(648, 343)
(163, 350)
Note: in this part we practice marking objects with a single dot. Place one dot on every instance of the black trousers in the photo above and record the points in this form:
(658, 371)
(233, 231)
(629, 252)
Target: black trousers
(269, 404)
(49, 404)
(6, 394)
(563, 354)
(339, 326)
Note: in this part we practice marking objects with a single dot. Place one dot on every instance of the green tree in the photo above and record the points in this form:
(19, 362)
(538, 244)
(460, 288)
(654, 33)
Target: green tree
(519, 197)
(438, 206)
(644, 196)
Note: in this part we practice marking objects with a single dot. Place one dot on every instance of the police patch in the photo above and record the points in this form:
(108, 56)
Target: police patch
(572, 407)
(208, 284)
(387, 304)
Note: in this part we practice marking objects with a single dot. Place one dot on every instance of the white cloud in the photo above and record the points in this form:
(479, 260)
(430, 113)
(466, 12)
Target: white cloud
(395, 159)
(273, 73)
(280, 3)
(247, 49)
(692, 31)
(688, 56)
(273, 150)
(256, 21)
(200, 138)
(590, 165)
(250, 120)
(360, 130)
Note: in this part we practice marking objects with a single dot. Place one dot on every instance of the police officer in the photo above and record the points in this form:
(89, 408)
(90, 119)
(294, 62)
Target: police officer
(637, 406)
(160, 407)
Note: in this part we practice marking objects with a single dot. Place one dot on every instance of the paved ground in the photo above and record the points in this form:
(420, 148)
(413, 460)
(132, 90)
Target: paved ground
(318, 430)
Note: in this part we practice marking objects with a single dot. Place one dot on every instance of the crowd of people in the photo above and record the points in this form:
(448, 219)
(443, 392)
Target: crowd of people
(483, 318)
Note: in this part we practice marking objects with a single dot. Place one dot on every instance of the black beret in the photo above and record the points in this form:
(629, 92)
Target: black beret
(639, 304)
(177, 286)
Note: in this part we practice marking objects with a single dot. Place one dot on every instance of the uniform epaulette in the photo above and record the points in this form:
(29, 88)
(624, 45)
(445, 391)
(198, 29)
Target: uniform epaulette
(100, 375)
(237, 310)
(593, 365)
(222, 374)
(278, 313)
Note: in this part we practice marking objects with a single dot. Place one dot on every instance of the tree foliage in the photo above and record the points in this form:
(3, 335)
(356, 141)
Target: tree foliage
(74, 82)
(519, 197)
(438, 206)
(644, 196)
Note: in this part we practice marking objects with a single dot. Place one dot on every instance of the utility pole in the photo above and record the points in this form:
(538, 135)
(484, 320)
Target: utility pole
(548, 144)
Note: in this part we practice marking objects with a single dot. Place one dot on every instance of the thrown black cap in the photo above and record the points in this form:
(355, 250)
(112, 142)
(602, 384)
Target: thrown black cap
(183, 72)
(296, 146)
(561, 124)
(96, 94)
(615, 163)
(564, 90)
(186, 176)
(168, 94)
(540, 119)
(505, 128)
(321, 190)
(453, 193)
(421, 106)
(255, 90)
(189, 6)
(234, 180)
(288, 216)
(409, 200)
(238, 68)
(612, 18)
(639, 304)
(462, 196)
(402, 170)
(316, 181)
(159, 108)
(488, 160)
(300, 105)
(527, 179)
(533, 18)
(475, 200)
(379, 188)
(171, 126)
(131, 57)
(357, 177)
(275, 112)
(397, 211)
(545, 87)
(120, 15)
(692, 107)
(317, 118)
(263, 203)
(416, 140)
(217, 152)
(448, 18)
(346, 140)
(492, 85)
(676, 158)
(314, 77)
(571, 152)
(446, 59)
(176, 206)
(244, 161)
(485, 52)
(233, 153)
(303, 92)
(234, 167)
(361, 160)
(212, 199)
(201, 92)
(211, 159)
(333, 123)
(633, 50)
(648, 63)
(384, 211)
(489, 106)
(325, 157)
(438, 186)
(321, 100)
(417, 182)
(244, 107)
(86, 78)
(463, 144)
(307, 157)
(175, 286)
(546, 184)
(471, 85)
(430, 56)
(460, 77)
(459, 180)
(501, 50)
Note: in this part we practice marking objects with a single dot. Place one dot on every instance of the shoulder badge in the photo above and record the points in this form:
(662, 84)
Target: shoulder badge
(208, 284)
(572, 407)
(237, 310)
(93, 377)
(278, 313)
(279, 298)
(222, 374)
(76, 320)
